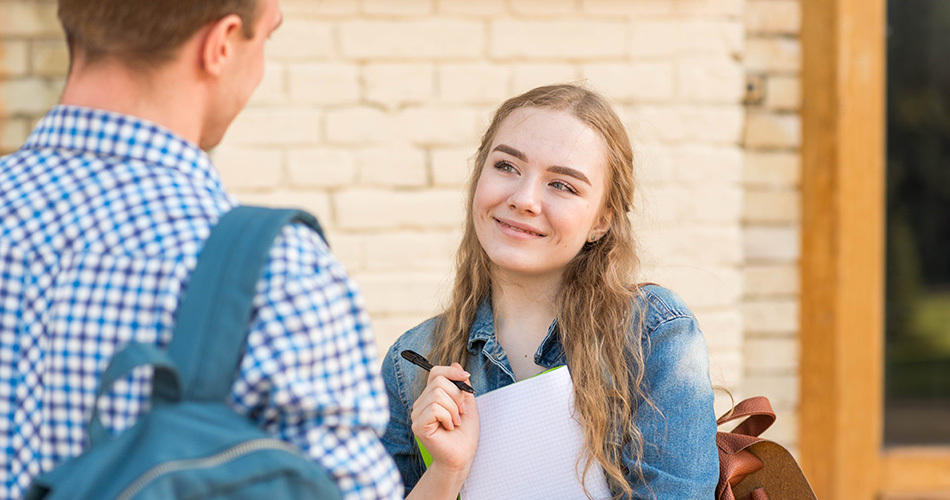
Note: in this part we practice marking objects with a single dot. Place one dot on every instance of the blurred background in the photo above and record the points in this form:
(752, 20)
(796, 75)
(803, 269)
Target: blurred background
(371, 110)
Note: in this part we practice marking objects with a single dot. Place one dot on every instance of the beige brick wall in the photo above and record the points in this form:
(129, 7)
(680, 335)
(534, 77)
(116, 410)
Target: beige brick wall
(771, 211)
(371, 109)
(33, 63)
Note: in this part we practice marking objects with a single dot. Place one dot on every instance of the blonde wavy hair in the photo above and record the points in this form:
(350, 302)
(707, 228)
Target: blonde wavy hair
(596, 305)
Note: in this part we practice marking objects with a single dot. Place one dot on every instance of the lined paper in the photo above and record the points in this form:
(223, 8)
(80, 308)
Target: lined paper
(529, 442)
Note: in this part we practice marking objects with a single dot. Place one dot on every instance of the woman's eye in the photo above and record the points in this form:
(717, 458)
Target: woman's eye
(505, 166)
(563, 186)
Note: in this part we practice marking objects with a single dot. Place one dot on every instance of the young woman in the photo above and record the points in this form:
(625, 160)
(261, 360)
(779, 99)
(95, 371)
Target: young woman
(546, 277)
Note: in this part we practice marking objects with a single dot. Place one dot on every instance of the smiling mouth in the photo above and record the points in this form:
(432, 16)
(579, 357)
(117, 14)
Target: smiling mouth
(520, 230)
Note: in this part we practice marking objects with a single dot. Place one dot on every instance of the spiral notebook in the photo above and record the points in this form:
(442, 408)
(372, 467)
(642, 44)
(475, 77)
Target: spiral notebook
(529, 442)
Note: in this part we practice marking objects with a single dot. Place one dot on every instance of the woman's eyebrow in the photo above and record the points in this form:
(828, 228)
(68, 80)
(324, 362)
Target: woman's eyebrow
(512, 151)
(571, 172)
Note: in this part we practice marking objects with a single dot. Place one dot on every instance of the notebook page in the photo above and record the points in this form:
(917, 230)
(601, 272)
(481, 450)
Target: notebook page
(529, 443)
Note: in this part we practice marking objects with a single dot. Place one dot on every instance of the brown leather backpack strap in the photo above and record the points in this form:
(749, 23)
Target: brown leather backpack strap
(758, 415)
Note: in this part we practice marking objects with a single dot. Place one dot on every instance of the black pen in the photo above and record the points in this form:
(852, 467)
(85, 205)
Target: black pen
(417, 359)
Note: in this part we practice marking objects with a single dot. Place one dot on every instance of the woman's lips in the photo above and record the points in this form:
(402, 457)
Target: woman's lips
(519, 227)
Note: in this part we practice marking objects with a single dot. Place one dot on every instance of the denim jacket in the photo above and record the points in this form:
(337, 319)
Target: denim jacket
(680, 459)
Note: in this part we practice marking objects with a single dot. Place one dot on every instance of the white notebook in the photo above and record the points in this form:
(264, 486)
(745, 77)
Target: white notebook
(529, 442)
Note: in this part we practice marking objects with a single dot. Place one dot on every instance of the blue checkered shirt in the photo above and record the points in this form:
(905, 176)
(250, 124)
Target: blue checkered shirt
(102, 217)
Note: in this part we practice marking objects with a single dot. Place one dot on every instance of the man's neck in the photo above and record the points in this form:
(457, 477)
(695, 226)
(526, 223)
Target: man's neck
(161, 96)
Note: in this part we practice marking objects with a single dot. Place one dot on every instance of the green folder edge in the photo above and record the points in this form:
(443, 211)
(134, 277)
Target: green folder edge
(427, 457)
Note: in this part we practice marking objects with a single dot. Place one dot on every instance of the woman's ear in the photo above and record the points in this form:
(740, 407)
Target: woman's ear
(601, 226)
(218, 46)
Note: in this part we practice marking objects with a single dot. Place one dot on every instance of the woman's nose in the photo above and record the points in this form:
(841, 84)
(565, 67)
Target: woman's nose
(525, 198)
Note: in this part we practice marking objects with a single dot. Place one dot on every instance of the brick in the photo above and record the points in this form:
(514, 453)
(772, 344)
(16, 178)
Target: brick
(711, 80)
(773, 130)
(314, 202)
(398, 7)
(273, 88)
(722, 328)
(50, 58)
(711, 286)
(300, 39)
(526, 76)
(771, 206)
(359, 126)
(698, 245)
(701, 164)
(782, 390)
(442, 39)
(322, 167)
(408, 209)
(656, 38)
(725, 371)
(709, 124)
(774, 356)
(771, 316)
(452, 166)
(638, 8)
(348, 249)
(772, 169)
(438, 126)
(395, 165)
(772, 243)
(710, 204)
(408, 250)
(28, 96)
(774, 280)
(388, 327)
(246, 168)
(654, 163)
(13, 133)
(276, 127)
(326, 83)
(399, 83)
(773, 17)
(29, 19)
(633, 82)
(783, 93)
(546, 39)
(400, 292)
(14, 61)
(477, 83)
(539, 8)
(730, 8)
(323, 8)
(773, 55)
(468, 7)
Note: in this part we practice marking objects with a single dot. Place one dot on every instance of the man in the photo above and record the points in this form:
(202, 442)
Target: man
(102, 215)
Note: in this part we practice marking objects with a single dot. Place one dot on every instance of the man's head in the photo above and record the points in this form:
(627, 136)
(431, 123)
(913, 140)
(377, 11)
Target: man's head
(144, 32)
(190, 65)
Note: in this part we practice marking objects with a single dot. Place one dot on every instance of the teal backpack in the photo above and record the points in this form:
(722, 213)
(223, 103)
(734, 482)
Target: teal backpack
(191, 445)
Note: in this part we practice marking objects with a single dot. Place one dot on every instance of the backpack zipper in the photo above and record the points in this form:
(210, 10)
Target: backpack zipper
(203, 463)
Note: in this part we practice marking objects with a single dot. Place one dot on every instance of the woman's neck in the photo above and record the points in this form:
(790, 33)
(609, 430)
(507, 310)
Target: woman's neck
(523, 311)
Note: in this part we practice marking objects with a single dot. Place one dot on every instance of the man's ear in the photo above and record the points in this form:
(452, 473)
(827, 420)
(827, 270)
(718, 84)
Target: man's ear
(218, 43)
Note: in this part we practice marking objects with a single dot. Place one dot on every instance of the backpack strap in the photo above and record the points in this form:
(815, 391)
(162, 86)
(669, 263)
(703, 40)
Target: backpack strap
(215, 310)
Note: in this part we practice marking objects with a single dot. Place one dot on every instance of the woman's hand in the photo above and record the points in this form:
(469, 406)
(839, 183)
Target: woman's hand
(445, 420)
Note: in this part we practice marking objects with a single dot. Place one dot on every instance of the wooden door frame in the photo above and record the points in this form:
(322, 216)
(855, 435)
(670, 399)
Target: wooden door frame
(842, 265)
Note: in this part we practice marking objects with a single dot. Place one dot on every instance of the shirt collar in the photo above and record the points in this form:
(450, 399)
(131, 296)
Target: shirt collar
(111, 134)
(549, 354)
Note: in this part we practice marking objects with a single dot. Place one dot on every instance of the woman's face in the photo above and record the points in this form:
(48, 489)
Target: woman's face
(541, 192)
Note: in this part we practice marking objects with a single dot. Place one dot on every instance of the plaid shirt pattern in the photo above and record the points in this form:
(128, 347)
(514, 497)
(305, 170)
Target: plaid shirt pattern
(102, 217)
